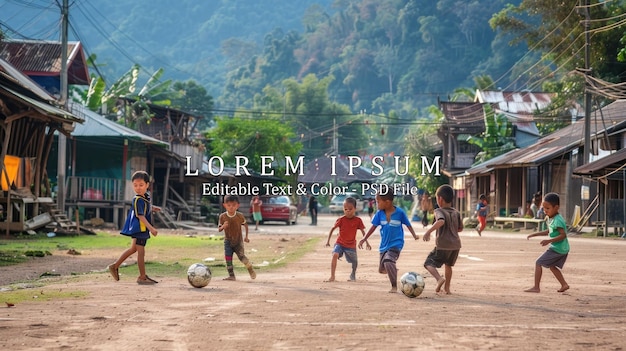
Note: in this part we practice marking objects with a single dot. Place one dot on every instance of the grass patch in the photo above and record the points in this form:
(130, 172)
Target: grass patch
(17, 250)
(167, 255)
(172, 259)
(11, 257)
(40, 242)
(37, 295)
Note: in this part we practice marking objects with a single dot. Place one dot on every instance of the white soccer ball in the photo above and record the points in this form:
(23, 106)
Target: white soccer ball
(198, 275)
(412, 284)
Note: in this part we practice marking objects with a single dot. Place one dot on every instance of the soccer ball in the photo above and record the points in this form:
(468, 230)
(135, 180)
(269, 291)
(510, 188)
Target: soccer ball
(198, 275)
(412, 284)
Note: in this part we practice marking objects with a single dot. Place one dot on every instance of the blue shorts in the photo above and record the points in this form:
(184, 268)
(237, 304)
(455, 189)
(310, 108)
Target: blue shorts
(350, 253)
(257, 216)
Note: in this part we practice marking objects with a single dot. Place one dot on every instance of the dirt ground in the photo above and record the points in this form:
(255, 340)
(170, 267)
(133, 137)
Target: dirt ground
(292, 308)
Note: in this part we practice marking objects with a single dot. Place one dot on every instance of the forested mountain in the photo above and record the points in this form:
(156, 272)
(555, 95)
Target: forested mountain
(184, 37)
(391, 55)
(382, 55)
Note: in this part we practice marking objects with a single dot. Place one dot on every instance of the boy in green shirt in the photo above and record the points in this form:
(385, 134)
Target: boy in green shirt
(554, 258)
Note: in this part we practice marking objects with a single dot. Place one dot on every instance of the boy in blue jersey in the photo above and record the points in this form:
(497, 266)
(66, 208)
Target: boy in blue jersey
(138, 226)
(391, 219)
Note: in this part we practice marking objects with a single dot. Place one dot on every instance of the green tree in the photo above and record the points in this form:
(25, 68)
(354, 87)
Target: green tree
(193, 98)
(318, 121)
(253, 138)
(557, 34)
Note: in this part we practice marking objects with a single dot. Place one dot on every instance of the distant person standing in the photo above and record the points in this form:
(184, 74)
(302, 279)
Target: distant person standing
(256, 203)
(370, 207)
(313, 209)
(426, 205)
(534, 206)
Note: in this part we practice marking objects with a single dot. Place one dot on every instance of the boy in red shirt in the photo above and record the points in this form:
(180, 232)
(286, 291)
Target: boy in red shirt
(348, 224)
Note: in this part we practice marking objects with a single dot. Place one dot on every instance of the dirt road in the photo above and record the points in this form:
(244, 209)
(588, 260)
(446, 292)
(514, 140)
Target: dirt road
(292, 308)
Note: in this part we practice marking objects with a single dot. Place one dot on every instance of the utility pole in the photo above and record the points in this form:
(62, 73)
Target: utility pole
(62, 140)
(335, 140)
(587, 142)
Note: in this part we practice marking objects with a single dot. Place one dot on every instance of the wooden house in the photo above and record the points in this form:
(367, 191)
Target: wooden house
(102, 155)
(511, 179)
(41, 61)
(607, 177)
(465, 119)
(176, 190)
(30, 118)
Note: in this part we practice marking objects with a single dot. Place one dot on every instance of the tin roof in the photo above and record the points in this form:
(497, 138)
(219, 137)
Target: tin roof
(43, 58)
(12, 74)
(468, 114)
(524, 103)
(606, 164)
(96, 125)
(16, 85)
(562, 141)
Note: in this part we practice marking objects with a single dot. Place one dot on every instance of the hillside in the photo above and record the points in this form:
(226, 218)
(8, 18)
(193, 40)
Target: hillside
(387, 55)
(184, 38)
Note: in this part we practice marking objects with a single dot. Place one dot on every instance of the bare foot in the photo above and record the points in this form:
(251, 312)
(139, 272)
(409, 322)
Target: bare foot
(440, 283)
(331, 279)
(532, 290)
(393, 290)
(230, 278)
(563, 288)
(252, 272)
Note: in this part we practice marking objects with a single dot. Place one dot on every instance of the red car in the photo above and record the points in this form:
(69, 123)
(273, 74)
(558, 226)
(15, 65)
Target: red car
(278, 208)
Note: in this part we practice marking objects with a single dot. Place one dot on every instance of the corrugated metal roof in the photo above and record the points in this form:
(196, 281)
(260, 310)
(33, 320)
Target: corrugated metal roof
(562, 141)
(607, 163)
(11, 73)
(14, 83)
(466, 113)
(43, 58)
(42, 107)
(515, 102)
(96, 125)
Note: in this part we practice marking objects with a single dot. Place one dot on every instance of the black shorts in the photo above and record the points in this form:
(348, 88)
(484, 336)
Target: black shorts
(438, 258)
(141, 239)
(551, 258)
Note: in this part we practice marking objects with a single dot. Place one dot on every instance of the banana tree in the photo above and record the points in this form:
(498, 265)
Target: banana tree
(98, 98)
(496, 140)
